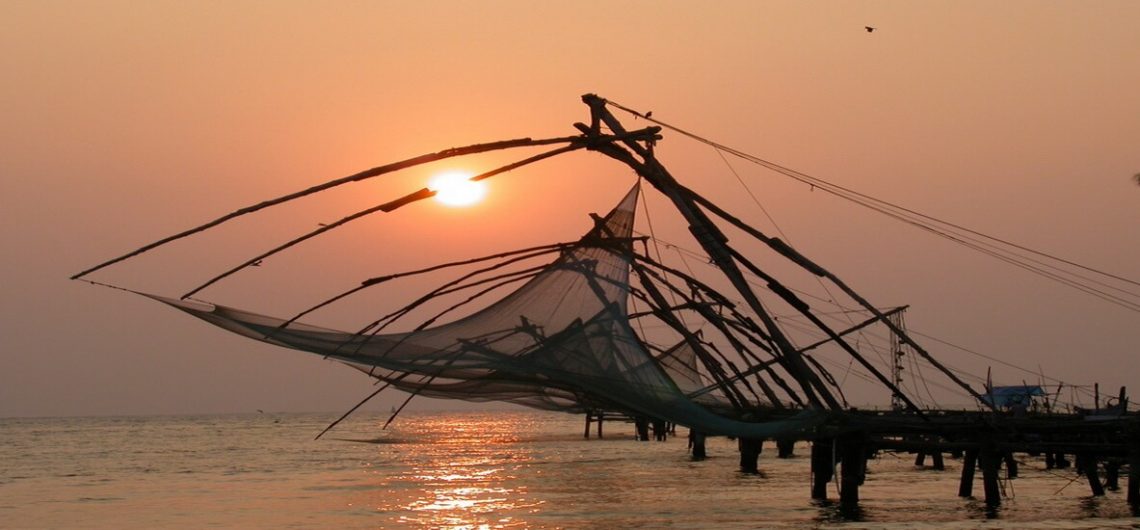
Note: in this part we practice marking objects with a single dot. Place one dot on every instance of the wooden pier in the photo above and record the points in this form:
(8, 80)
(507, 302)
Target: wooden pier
(990, 446)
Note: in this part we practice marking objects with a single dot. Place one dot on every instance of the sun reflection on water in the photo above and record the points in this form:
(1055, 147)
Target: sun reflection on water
(466, 478)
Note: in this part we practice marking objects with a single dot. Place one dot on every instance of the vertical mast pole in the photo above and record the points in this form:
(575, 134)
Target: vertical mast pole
(711, 239)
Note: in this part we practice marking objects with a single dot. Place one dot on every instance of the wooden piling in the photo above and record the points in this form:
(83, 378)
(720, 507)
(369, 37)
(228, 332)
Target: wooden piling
(822, 467)
(642, 426)
(989, 461)
(586, 434)
(854, 469)
(697, 445)
(938, 463)
(1112, 474)
(1089, 466)
(966, 484)
(1134, 476)
(935, 459)
(750, 449)
(785, 448)
(1010, 465)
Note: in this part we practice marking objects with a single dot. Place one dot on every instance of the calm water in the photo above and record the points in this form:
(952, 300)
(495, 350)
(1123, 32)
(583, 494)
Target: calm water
(466, 470)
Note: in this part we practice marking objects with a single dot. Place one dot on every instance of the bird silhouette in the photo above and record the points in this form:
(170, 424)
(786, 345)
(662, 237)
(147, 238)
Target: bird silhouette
(648, 114)
(869, 28)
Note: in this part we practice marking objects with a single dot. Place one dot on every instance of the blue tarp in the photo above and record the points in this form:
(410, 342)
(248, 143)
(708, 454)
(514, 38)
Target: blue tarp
(1008, 396)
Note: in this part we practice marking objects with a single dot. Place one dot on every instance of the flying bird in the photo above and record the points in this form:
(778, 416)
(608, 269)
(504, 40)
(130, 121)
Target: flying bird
(869, 28)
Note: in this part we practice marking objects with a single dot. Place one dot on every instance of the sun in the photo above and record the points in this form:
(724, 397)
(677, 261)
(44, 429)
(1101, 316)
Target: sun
(455, 188)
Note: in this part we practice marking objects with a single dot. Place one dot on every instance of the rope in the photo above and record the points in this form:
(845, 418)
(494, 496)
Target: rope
(936, 226)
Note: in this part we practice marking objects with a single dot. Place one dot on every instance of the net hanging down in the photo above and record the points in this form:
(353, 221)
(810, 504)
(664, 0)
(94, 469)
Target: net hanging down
(561, 341)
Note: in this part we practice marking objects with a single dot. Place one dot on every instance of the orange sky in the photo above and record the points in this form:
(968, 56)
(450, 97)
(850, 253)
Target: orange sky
(124, 122)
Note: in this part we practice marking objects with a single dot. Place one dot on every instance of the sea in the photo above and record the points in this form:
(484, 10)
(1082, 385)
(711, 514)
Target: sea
(473, 470)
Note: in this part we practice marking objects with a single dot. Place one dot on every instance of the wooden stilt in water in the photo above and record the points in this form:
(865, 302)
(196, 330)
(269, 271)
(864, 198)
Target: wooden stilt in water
(969, 462)
(785, 448)
(601, 416)
(853, 471)
(1049, 462)
(750, 449)
(1134, 476)
(938, 463)
(586, 434)
(990, 461)
(642, 426)
(1088, 465)
(697, 445)
(660, 430)
(1112, 474)
(1010, 465)
(822, 467)
(920, 459)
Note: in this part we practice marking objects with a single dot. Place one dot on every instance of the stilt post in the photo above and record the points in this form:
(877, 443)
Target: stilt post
(969, 463)
(990, 461)
(1089, 466)
(822, 466)
(750, 449)
(854, 469)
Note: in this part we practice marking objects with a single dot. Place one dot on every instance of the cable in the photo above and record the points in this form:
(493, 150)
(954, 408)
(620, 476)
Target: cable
(933, 224)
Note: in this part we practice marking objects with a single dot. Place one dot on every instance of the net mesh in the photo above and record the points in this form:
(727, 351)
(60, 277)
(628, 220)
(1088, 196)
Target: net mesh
(561, 341)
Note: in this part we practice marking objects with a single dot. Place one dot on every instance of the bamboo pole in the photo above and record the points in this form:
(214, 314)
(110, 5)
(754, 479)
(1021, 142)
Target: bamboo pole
(386, 208)
(783, 249)
(357, 177)
(711, 239)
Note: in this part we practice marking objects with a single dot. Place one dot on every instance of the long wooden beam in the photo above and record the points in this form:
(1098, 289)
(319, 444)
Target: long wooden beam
(791, 254)
(709, 237)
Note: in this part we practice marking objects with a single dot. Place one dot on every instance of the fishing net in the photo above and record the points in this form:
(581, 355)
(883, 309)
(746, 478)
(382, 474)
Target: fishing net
(561, 341)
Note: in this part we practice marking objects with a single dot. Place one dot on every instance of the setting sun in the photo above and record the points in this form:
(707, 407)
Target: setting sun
(456, 188)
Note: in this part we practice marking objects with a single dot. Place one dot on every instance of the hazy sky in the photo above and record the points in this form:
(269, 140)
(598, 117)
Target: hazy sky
(123, 122)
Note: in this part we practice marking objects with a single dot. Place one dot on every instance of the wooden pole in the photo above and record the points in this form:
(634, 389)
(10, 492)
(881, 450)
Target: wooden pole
(1134, 475)
(1088, 465)
(854, 470)
(782, 248)
(750, 449)
(785, 448)
(713, 241)
(363, 175)
(697, 443)
(1112, 474)
(822, 466)
(989, 461)
(1010, 465)
(969, 462)
(642, 425)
